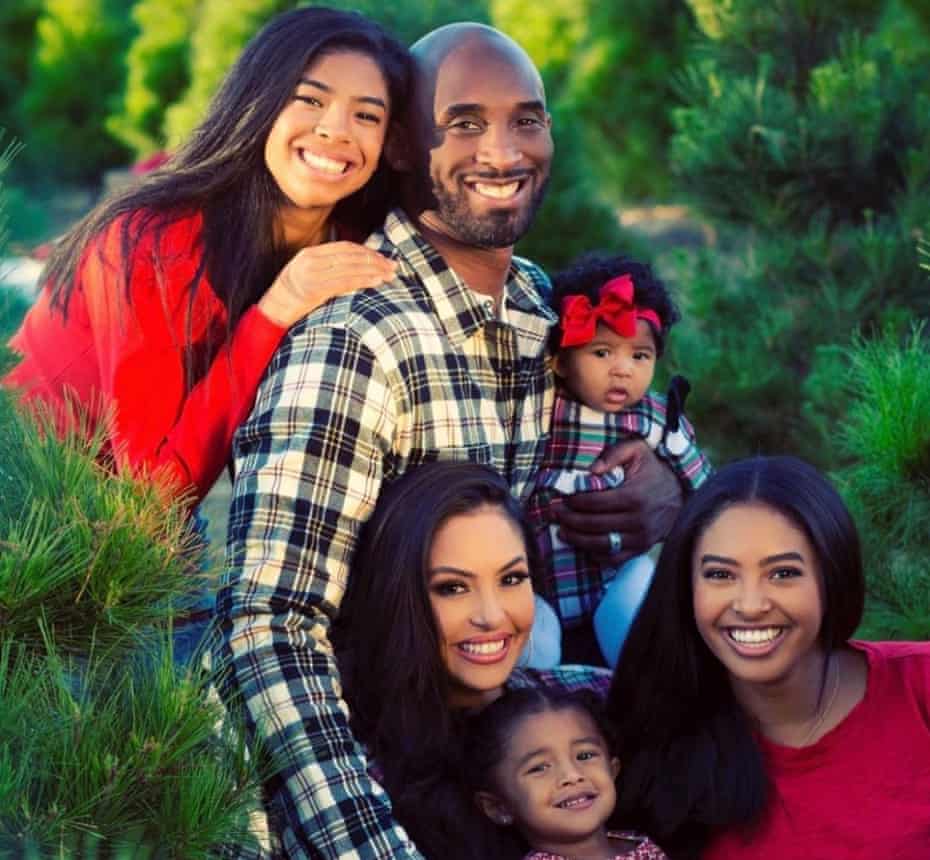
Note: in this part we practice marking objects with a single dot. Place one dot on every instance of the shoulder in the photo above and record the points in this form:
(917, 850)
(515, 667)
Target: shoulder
(899, 676)
(906, 659)
(536, 275)
(386, 314)
(150, 256)
(146, 230)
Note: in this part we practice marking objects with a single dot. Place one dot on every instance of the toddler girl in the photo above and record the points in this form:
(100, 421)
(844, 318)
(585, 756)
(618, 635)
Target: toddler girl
(614, 315)
(541, 763)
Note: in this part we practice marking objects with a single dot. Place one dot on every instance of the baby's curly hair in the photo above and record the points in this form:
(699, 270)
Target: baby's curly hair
(586, 275)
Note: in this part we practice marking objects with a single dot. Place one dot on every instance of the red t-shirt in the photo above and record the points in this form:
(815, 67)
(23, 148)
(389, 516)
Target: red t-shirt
(125, 362)
(863, 790)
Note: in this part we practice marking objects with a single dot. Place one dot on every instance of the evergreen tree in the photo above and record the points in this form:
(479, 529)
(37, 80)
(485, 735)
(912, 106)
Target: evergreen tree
(806, 138)
(17, 36)
(222, 29)
(106, 748)
(886, 434)
(409, 21)
(75, 77)
(156, 72)
(12, 305)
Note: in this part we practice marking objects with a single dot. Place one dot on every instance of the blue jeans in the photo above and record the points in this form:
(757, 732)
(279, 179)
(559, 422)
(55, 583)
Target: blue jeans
(544, 648)
(191, 626)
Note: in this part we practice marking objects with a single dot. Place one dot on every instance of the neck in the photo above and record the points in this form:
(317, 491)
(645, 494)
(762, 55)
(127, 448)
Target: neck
(595, 846)
(302, 228)
(787, 709)
(484, 270)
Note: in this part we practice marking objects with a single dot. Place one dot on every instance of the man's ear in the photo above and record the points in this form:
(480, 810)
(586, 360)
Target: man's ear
(495, 808)
(397, 151)
(615, 767)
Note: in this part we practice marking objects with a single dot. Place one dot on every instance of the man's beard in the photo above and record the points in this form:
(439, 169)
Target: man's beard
(497, 229)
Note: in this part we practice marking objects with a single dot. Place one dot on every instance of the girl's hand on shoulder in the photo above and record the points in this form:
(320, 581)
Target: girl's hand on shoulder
(318, 273)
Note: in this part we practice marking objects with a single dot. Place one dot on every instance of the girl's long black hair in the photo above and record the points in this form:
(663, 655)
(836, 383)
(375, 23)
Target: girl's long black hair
(691, 766)
(221, 170)
(388, 647)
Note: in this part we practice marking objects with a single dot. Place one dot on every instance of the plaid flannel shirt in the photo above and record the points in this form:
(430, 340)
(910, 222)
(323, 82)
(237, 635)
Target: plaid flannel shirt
(567, 679)
(573, 580)
(367, 387)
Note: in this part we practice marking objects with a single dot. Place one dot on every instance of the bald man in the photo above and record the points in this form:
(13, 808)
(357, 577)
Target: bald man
(445, 362)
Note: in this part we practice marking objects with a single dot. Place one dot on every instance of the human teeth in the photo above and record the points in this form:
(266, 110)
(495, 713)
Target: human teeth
(320, 162)
(755, 636)
(575, 801)
(501, 192)
(483, 648)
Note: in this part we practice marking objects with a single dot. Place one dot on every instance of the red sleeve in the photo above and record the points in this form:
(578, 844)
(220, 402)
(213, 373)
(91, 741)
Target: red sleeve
(154, 427)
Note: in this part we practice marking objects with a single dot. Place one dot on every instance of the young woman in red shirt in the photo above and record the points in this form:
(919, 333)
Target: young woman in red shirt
(160, 310)
(750, 724)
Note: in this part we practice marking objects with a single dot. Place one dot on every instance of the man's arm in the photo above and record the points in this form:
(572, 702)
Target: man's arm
(642, 509)
(308, 474)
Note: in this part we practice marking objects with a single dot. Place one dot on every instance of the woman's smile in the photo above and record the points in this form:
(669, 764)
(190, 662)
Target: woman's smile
(482, 601)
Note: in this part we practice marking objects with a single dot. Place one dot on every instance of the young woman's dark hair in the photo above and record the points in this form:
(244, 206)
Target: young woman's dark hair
(389, 653)
(586, 275)
(691, 766)
(221, 170)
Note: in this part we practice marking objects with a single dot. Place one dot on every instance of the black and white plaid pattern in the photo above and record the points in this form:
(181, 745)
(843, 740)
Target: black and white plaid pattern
(367, 387)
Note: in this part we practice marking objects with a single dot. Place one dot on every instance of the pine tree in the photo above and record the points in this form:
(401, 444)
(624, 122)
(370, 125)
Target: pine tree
(107, 749)
(12, 305)
(156, 72)
(222, 29)
(886, 434)
(806, 138)
(76, 73)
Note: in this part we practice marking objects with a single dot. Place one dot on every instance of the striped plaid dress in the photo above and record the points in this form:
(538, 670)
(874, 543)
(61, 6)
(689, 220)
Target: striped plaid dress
(573, 580)
(368, 386)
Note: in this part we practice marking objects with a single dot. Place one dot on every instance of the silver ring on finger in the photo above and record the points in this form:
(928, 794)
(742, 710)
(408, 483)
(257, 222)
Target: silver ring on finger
(616, 542)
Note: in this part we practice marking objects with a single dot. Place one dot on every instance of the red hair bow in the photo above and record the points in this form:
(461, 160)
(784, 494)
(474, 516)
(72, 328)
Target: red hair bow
(615, 309)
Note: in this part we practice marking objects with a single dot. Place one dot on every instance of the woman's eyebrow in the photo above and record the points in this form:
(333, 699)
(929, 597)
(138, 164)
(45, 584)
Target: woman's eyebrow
(448, 568)
(517, 559)
(326, 88)
(719, 559)
(783, 556)
(769, 559)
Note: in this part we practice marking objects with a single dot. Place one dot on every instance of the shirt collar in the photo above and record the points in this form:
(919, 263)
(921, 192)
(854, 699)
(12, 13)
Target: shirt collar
(460, 310)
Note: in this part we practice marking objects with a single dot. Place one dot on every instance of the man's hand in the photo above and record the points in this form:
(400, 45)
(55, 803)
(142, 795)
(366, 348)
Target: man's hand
(642, 509)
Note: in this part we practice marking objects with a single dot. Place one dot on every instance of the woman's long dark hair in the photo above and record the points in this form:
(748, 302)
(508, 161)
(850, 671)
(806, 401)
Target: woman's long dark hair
(221, 170)
(691, 766)
(389, 654)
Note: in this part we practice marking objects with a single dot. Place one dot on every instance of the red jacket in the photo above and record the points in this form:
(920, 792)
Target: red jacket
(125, 363)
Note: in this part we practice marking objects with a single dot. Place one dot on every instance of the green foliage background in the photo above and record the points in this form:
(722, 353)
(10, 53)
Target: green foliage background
(798, 131)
